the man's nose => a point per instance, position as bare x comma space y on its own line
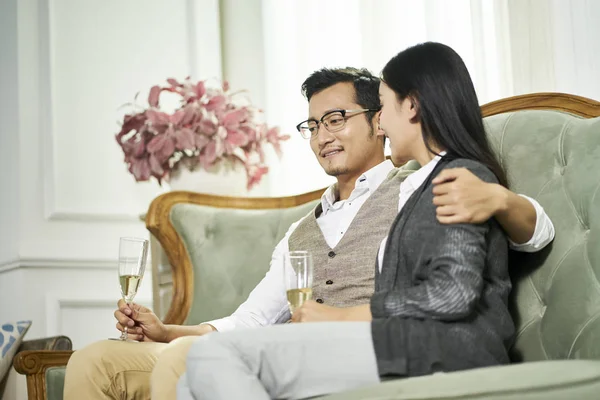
323, 135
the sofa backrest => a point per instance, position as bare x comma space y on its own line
550, 155
554, 157
245, 240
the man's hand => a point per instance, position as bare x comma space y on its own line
311, 311
461, 197
142, 324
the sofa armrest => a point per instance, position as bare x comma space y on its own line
50, 343
34, 363
158, 222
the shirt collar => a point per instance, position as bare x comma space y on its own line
416, 179
368, 181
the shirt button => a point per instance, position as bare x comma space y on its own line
320, 301
329, 282
331, 254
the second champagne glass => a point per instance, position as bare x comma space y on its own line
298, 276
133, 254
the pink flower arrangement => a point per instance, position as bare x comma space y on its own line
210, 125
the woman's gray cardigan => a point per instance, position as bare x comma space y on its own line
440, 301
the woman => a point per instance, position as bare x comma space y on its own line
440, 301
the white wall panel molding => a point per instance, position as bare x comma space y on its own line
78, 63
204, 33
87, 68
66, 313
9, 265
56, 302
64, 264
65, 215
58, 263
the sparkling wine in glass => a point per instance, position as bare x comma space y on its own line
133, 253
298, 276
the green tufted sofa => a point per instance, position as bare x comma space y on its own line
550, 145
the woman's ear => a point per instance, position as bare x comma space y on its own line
414, 109
377, 125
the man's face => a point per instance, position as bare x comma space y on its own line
354, 149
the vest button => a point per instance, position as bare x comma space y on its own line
320, 301
329, 282
331, 254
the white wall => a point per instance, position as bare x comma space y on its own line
242, 37
9, 136
244, 67
65, 194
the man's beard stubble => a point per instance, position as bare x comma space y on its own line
344, 169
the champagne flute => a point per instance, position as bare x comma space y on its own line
298, 276
133, 253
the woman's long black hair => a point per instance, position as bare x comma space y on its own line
436, 79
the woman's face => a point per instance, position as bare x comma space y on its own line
395, 120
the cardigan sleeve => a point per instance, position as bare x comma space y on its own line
453, 286
454, 281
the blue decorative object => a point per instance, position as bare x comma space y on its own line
9, 345
11, 336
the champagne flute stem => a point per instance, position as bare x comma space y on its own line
125, 332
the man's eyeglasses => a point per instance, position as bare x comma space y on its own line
334, 121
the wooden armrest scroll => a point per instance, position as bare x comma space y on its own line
34, 363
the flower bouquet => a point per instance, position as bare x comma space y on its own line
210, 125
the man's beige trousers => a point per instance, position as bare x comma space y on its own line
112, 369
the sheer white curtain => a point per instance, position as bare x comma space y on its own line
510, 47
575, 28
302, 36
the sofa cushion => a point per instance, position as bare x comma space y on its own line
55, 382
11, 336
545, 380
230, 250
554, 157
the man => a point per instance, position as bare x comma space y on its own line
343, 234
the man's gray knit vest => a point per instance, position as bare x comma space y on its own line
344, 275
